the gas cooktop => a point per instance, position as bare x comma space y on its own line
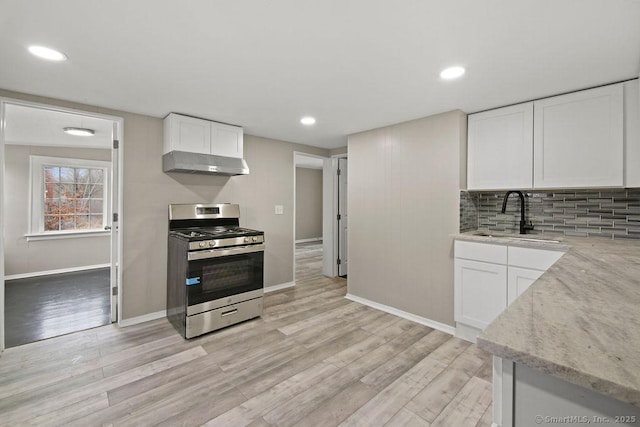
215, 232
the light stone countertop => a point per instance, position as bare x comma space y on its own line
580, 321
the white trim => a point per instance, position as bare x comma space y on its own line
57, 271
312, 239
329, 212
71, 234
141, 319
274, 288
37, 188
324, 190
496, 406
118, 239
405, 315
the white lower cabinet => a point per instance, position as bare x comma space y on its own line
482, 290
519, 280
489, 277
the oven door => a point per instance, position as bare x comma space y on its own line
220, 277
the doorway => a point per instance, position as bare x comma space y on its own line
59, 205
308, 218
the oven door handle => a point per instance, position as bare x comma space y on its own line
216, 253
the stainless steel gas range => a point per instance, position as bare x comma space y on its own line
215, 275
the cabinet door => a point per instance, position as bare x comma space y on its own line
578, 139
480, 292
226, 140
188, 134
519, 280
632, 133
500, 148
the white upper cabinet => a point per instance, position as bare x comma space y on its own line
184, 133
500, 148
584, 139
632, 133
226, 140
578, 139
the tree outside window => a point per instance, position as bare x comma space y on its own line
74, 198
68, 195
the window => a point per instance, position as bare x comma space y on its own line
68, 195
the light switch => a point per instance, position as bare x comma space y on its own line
279, 209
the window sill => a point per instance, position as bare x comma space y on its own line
34, 237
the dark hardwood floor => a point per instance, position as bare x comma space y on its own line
48, 306
313, 359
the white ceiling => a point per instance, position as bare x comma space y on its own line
35, 126
353, 64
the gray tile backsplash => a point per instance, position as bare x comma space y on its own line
468, 211
583, 213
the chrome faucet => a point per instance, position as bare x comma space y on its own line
523, 224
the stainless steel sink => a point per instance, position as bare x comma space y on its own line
523, 237
531, 239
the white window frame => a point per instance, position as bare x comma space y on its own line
36, 208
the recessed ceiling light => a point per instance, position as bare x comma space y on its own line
452, 73
79, 131
47, 53
307, 121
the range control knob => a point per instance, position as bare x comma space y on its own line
212, 243
202, 244
254, 238
246, 240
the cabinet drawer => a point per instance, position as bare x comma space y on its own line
538, 259
484, 252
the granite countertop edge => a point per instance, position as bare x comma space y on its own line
533, 332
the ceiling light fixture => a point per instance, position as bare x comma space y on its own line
452, 73
308, 121
79, 131
47, 53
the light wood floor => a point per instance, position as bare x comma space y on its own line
313, 359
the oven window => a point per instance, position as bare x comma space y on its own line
226, 275
215, 278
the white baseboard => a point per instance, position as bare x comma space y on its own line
405, 315
58, 271
274, 288
141, 319
312, 239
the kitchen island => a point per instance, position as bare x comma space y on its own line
569, 346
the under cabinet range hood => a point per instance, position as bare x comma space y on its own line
210, 164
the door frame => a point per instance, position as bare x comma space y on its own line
296, 154
116, 237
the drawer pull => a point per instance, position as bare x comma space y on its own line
229, 313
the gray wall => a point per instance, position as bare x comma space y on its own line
148, 191
28, 257
338, 151
308, 203
404, 194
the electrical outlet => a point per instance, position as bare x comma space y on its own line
279, 209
